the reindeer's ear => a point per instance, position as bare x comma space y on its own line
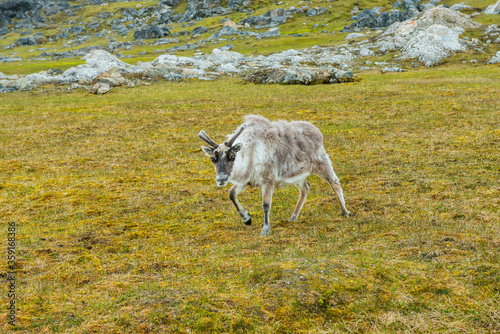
208, 150
237, 147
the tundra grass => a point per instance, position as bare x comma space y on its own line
121, 228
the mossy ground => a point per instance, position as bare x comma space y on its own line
121, 228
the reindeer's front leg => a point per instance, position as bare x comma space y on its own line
267, 198
233, 195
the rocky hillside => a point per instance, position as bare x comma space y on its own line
321, 41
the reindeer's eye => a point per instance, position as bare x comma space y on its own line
214, 159
231, 157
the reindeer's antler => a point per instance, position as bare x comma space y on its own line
231, 140
203, 136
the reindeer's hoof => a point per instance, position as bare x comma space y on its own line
248, 222
265, 232
293, 218
346, 213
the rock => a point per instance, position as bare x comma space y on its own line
461, 6
163, 41
227, 47
270, 19
233, 4
354, 35
112, 78
392, 69
365, 52
150, 32
231, 24
104, 15
355, 10
4, 30
225, 31
316, 11
493, 9
199, 30
21, 84
26, 41
97, 62
495, 59
433, 44
227, 68
303, 76
100, 88
170, 3
430, 37
273, 32
76, 30
221, 57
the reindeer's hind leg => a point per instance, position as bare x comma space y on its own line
304, 188
267, 198
324, 170
233, 195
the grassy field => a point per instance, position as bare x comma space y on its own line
121, 228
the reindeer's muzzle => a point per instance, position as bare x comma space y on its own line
222, 179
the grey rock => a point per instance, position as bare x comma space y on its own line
100, 88
76, 30
316, 11
493, 9
392, 69
21, 84
170, 3
495, 59
150, 32
26, 41
227, 47
300, 75
461, 6
272, 18
104, 15
273, 32
199, 30
163, 41
233, 4
4, 30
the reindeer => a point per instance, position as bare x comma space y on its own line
269, 154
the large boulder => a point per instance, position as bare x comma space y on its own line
300, 75
273, 32
493, 9
221, 57
100, 88
151, 32
199, 30
272, 18
316, 11
225, 31
96, 63
26, 41
495, 59
430, 37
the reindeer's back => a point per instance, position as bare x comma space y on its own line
299, 135
290, 147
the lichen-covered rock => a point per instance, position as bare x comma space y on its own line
273, 32
300, 76
493, 9
150, 33
100, 88
495, 59
430, 37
